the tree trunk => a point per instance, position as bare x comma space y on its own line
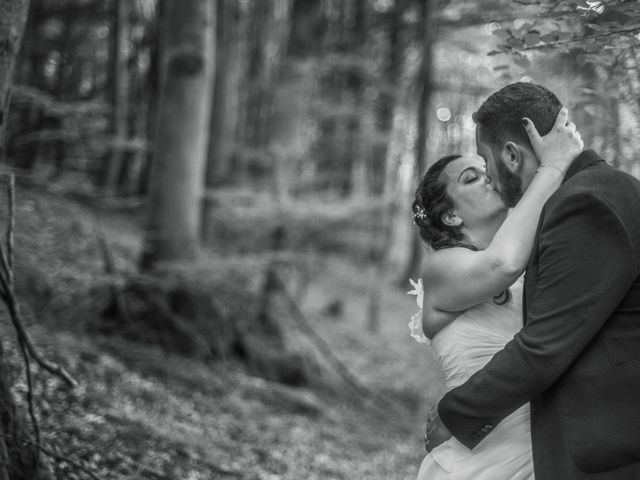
62, 90
295, 85
26, 73
221, 139
173, 218
119, 94
152, 89
267, 36
425, 82
18, 461
222, 118
356, 144
379, 252
13, 17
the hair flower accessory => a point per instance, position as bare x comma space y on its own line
415, 325
419, 214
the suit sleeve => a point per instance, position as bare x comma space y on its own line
586, 266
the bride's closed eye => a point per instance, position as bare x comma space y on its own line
473, 175
471, 178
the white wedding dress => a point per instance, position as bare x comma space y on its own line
463, 347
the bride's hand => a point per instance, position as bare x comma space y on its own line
435, 432
560, 146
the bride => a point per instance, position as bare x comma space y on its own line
472, 301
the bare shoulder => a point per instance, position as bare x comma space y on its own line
439, 262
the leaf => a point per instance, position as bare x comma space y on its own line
531, 39
501, 67
502, 34
596, 28
515, 42
524, 27
522, 61
494, 52
549, 37
564, 36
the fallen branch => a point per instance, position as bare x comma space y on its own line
380, 402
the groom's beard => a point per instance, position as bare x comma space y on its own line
510, 185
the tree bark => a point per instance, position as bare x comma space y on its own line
152, 89
295, 86
223, 117
221, 139
173, 219
18, 461
379, 252
119, 94
425, 82
267, 30
13, 17
356, 145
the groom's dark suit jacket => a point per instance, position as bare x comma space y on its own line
577, 358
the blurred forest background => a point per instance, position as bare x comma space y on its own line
208, 206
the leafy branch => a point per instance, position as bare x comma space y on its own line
580, 39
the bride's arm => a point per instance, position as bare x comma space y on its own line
458, 278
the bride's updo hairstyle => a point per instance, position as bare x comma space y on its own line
431, 203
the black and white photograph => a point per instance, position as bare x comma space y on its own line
320, 239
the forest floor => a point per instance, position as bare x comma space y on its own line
142, 413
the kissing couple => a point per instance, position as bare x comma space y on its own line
532, 301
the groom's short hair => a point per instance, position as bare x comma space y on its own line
499, 118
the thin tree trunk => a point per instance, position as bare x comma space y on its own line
218, 167
26, 73
221, 137
173, 219
18, 461
379, 252
357, 141
13, 17
267, 37
633, 77
119, 94
152, 89
62, 90
425, 82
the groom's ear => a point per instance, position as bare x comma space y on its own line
451, 219
513, 157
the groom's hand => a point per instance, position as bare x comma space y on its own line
436, 433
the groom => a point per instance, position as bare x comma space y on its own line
577, 358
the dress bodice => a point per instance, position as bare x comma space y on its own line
465, 345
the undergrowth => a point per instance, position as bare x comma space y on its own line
141, 412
